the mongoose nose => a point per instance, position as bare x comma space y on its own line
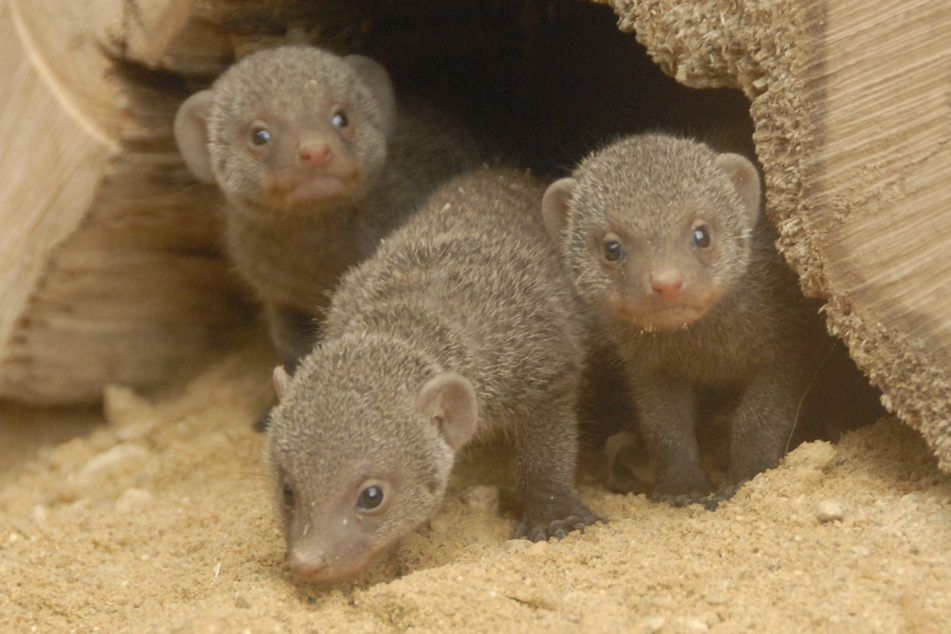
316, 155
668, 285
310, 566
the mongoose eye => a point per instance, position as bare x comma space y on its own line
612, 248
260, 136
701, 237
340, 119
287, 491
370, 498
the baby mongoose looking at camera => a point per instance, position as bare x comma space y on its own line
317, 164
664, 237
461, 325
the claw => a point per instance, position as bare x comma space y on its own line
709, 501
559, 529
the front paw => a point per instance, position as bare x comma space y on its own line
709, 501
680, 499
538, 529
682, 491
623, 452
724, 493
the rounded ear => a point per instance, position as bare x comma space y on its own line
555, 207
374, 76
449, 401
742, 173
281, 381
191, 134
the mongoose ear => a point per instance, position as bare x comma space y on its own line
191, 134
375, 77
281, 381
555, 207
450, 402
742, 173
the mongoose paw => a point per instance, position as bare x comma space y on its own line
680, 499
724, 493
682, 491
539, 530
709, 501
622, 451
621, 479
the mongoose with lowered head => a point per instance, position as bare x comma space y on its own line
317, 163
461, 325
664, 237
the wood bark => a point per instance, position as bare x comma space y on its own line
109, 267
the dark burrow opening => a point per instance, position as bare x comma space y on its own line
543, 82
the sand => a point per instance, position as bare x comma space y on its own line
158, 517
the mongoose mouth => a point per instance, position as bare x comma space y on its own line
320, 186
659, 318
327, 570
311, 188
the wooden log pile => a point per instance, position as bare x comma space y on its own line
110, 270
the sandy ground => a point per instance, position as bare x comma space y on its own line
159, 518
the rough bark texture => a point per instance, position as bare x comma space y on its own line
109, 266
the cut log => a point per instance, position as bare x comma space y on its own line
109, 266
880, 207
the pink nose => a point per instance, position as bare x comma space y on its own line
307, 567
668, 285
316, 155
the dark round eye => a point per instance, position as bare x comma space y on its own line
613, 251
701, 237
370, 498
340, 120
287, 491
260, 136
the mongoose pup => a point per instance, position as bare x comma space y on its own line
664, 237
317, 164
461, 325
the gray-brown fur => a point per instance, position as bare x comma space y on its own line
690, 318
290, 230
460, 326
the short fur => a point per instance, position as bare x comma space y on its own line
690, 311
461, 325
318, 195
